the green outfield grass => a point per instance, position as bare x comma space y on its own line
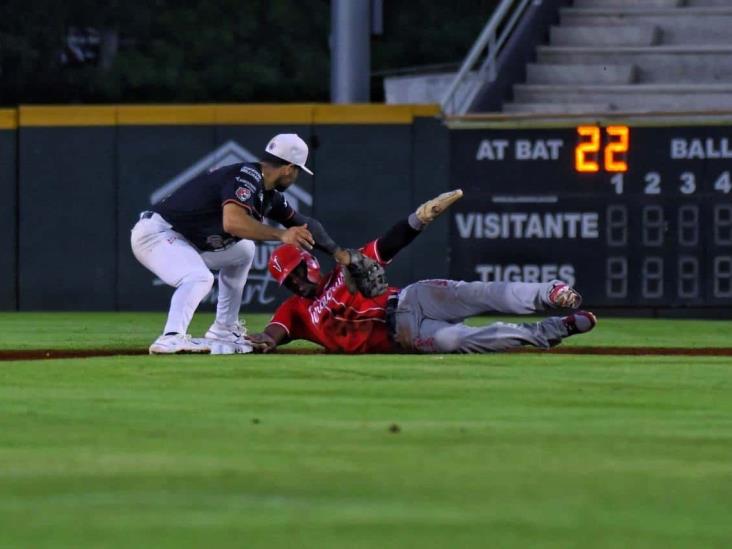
137, 330
499, 450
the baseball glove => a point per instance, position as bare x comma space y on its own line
365, 275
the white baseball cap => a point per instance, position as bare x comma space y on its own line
290, 148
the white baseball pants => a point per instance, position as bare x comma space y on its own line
178, 263
430, 313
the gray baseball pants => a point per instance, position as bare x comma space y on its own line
430, 313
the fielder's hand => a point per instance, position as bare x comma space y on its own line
342, 256
261, 342
299, 236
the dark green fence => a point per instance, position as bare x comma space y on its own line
85, 173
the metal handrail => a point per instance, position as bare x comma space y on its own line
487, 71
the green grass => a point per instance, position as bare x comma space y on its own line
298, 451
137, 330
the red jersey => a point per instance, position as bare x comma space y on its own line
337, 319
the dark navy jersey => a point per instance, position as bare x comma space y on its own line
196, 209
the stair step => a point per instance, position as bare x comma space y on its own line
631, 97
557, 108
687, 26
628, 88
654, 64
539, 73
707, 3
643, 10
616, 35
628, 3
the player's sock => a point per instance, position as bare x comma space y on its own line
415, 223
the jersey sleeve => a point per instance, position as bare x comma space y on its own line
281, 211
372, 251
287, 317
240, 188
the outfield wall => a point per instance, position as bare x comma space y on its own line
84, 174
8, 209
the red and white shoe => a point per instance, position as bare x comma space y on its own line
563, 296
580, 322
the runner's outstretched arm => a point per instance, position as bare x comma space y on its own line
403, 232
268, 340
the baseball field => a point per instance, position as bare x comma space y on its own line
312, 450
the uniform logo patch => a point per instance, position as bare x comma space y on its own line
243, 194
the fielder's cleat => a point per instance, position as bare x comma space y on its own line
178, 344
428, 211
580, 322
563, 296
219, 347
233, 333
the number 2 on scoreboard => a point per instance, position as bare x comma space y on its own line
585, 153
616, 149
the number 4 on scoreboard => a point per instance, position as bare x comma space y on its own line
723, 183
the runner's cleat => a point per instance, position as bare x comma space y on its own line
580, 322
429, 211
563, 296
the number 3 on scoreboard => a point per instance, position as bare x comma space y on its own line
587, 151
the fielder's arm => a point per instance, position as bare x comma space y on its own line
239, 223
323, 240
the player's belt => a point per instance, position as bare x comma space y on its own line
392, 303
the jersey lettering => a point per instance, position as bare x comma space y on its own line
251, 172
321, 303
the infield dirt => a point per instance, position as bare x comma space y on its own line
42, 354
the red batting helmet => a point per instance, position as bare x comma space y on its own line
287, 257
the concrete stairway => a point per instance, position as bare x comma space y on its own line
632, 56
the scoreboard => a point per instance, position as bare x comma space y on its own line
633, 216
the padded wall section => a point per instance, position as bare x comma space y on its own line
363, 184
8, 220
67, 230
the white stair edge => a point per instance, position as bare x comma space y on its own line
628, 88
646, 11
722, 48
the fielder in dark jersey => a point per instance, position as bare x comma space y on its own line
194, 210
211, 224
